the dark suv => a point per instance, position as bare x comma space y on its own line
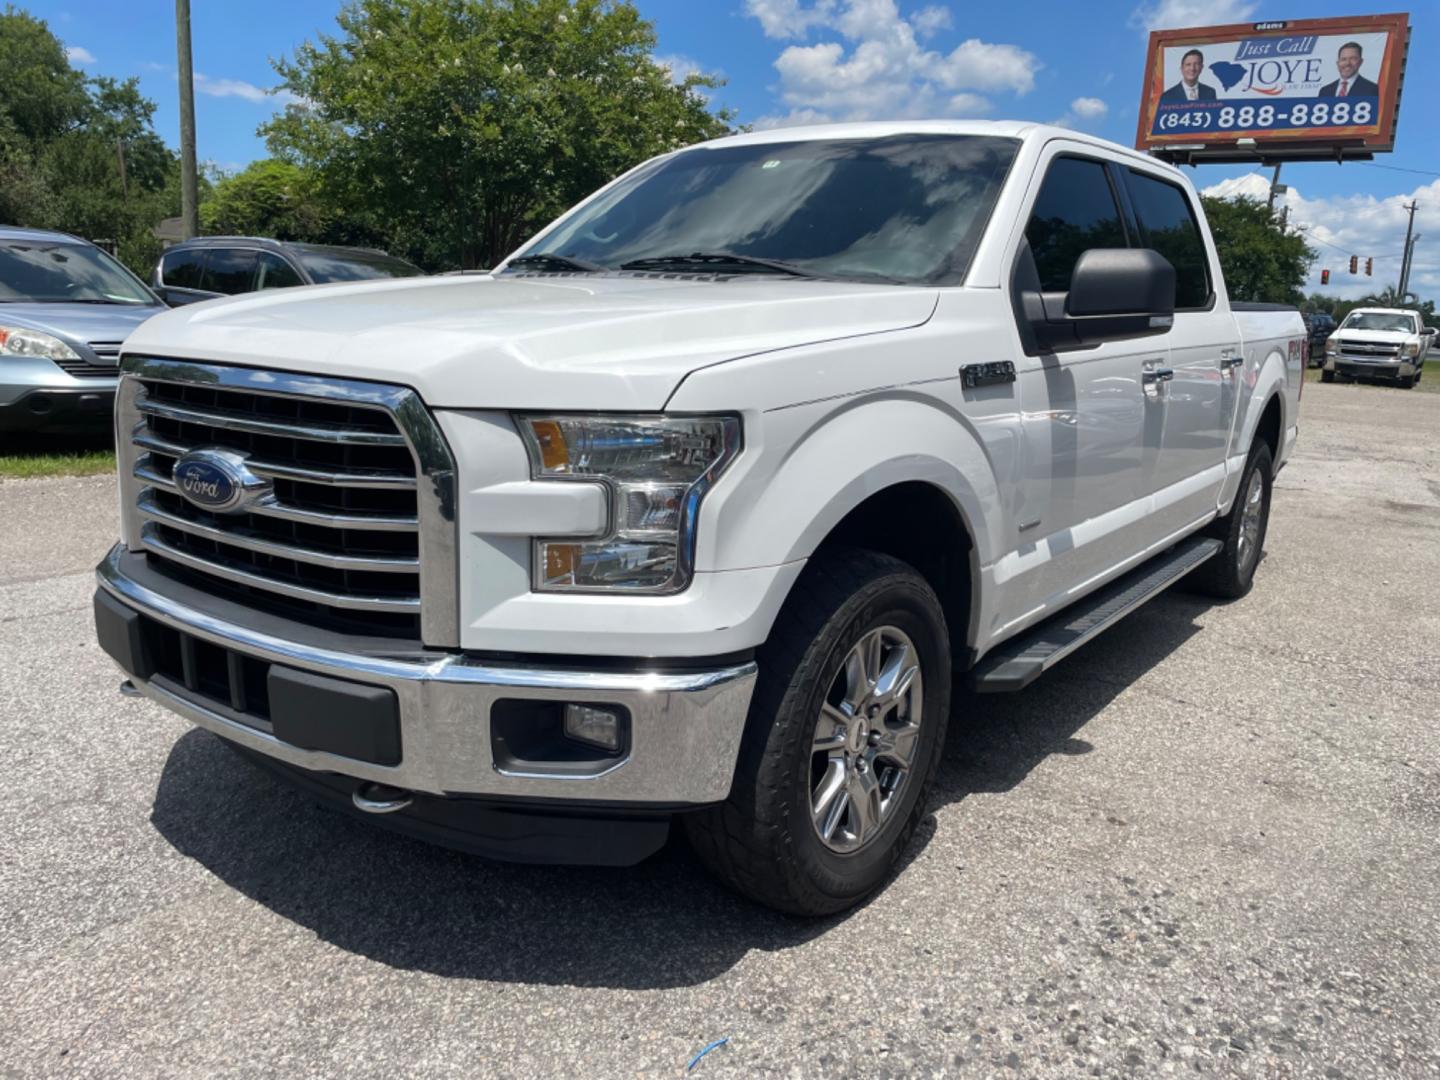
1319, 325
211, 266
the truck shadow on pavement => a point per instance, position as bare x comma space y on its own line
661, 924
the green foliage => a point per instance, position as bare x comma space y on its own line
78, 154
1389, 296
1261, 259
454, 128
268, 198
40, 93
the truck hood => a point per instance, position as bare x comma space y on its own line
1379, 337
537, 342
80, 323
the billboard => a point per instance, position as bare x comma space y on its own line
1274, 91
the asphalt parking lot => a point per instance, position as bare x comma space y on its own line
1210, 842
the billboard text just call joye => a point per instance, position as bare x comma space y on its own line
1331, 82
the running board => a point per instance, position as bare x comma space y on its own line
1015, 664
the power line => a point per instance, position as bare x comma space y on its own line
1397, 168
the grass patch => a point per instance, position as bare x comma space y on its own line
35, 455
1429, 377
26, 466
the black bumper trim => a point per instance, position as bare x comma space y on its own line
59, 410
484, 828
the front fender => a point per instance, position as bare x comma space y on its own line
834, 458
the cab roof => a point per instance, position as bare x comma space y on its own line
1011, 129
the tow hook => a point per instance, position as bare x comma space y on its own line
381, 798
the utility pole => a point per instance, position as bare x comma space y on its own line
124, 180
1276, 188
1409, 245
189, 188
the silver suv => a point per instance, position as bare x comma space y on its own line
65, 307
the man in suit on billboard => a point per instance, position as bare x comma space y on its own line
1189, 88
1351, 82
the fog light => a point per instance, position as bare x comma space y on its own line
594, 725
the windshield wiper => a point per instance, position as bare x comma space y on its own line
547, 261
717, 259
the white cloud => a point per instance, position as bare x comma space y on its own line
78, 54
1339, 226
794, 118
1089, 108
679, 67
240, 88
879, 68
789, 18
931, 20
1179, 14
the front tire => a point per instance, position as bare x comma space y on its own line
1230, 573
842, 742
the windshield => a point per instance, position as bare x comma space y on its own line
1379, 320
327, 266
908, 209
64, 272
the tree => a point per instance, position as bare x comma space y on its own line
1387, 297
78, 154
1262, 259
267, 198
41, 93
456, 127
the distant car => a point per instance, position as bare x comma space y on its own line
211, 266
65, 307
1378, 343
1319, 325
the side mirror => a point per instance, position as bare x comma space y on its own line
176, 297
1121, 282
1115, 293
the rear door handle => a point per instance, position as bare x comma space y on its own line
1228, 362
1159, 374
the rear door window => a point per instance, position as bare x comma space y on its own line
276, 273
1074, 212
182, 268
1167, 224
229, 271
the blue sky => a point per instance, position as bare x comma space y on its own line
788, 60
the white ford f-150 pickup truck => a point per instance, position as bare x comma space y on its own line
696, 507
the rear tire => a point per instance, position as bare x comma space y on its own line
1327, 376
1230, 573
808, 828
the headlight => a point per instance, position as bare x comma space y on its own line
1411, 349
656, 470
18, 341
1332, 346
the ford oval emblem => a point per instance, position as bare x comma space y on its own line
216, 480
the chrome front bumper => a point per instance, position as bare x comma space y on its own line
685, 726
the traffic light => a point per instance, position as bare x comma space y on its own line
1369, 267
1324, 277
1354, 263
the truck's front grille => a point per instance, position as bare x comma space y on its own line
339, 534
1364, 350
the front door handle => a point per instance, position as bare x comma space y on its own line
1228, 362
1159, 375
